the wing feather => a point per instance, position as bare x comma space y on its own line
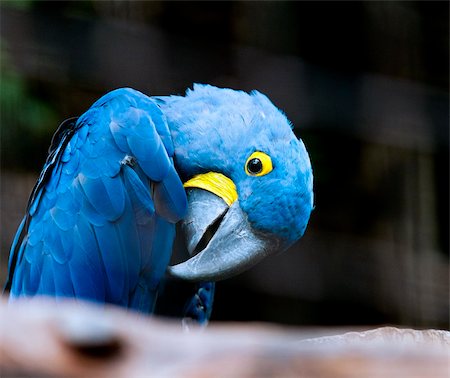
105, 195
63, 286
169, 198
113, 260
47, 282
161, 251
139, 194
87, 273
94, 229
129, 240
32, 268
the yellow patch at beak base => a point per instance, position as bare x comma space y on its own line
216, 183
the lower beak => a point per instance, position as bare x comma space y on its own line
220, 239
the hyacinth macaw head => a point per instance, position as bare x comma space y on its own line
248, 178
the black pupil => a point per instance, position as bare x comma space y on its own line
254, 166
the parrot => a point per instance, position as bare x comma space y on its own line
101, 219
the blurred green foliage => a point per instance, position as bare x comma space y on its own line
19, 4
26, 121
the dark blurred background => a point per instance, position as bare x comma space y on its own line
365, 84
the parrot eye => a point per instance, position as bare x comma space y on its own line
258, 164
254, 166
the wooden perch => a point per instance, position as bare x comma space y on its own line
41, 338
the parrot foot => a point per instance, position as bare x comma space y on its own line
198, 310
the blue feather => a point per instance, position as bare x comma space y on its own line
161, 251
114, 263
63, 219
160, 122
86, 267
67, 242
23, 273
170, 197
21, 268
72, 165
119, 134
155, 161
87, 282
67, 153
52, 242
54, 179
47, 282
35, 203
35, 233
34, 267
143, 298
146, 234
105, 194
142, 203
82, 134
66, 200
92, 215
129, 243
63, 286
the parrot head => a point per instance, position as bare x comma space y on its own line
248, 179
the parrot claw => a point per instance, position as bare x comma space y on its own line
198, 309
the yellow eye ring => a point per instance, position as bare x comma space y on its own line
258, 164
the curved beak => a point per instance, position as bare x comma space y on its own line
219, 237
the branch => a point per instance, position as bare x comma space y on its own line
40, 337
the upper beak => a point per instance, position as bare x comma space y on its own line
219, 237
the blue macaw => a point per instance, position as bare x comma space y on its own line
100, 221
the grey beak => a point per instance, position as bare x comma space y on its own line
220, 240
